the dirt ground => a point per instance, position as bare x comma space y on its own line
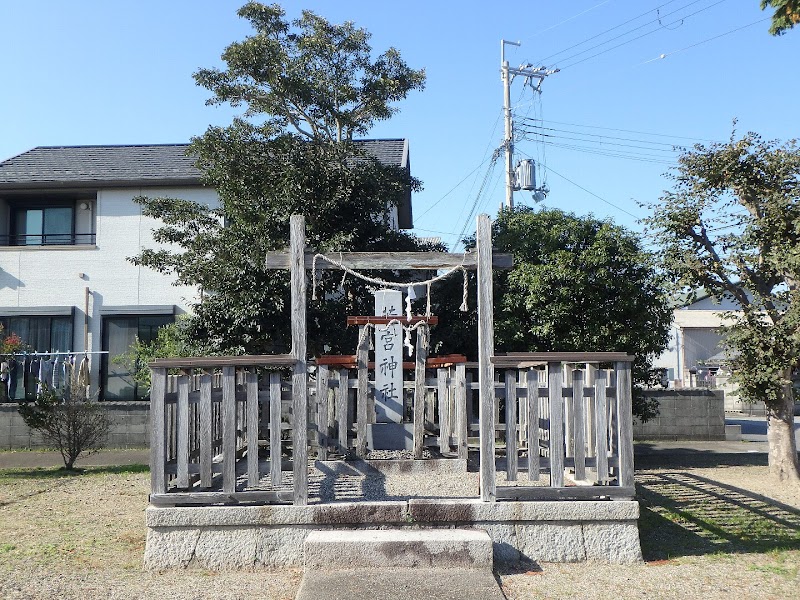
713, 530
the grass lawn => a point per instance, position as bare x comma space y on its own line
707, 531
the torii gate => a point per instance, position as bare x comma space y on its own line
298, 260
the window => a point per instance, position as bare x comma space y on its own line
42, 226
39, 334
48, 221
119, 335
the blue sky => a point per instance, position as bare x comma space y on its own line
105, 72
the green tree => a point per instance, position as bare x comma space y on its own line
309, 86
314, 76
577, 284
731, 225
786, 15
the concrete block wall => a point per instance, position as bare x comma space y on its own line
685, 414
130, 427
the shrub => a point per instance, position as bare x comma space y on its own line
71, 421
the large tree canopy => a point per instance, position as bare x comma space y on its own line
578, 284
308, 86
786, 15
318, 77
731, 225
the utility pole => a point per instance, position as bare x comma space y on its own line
530, 73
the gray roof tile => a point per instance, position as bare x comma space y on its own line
99, 166
154, 164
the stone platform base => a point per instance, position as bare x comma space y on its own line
247, 537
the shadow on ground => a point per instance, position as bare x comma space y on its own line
683, 514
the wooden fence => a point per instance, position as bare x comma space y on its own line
222, 428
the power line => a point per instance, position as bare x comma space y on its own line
602, 33
603, 140
486, 177
467, 176
636, 38
583, 12
650, 133
601, 136
607, 143
613, 154
706, 40
619, 208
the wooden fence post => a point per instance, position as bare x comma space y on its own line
275, 428
578, 425
297, 232
206, 432
182, 480
323, 430
419, 389
158, 433
532, 383
601, 426
229, 429
462, 417
253, 474
625, 424
485, 352
555, 383
362, 393
511, 424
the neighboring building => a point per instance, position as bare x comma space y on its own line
695, 350
68, 225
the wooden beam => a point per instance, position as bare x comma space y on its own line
350, 361
519, 359
366, 320
201, 498
391, 260
210, 362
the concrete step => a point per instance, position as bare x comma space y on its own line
400, 584
392, 548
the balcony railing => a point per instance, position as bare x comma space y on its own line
48, 239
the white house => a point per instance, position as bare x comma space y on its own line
68, 225
695, 345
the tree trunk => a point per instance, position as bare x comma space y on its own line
783, 463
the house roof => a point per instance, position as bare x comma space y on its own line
47, 167
81, 167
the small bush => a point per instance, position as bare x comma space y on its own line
70, 421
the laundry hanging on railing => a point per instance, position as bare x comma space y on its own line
31, 372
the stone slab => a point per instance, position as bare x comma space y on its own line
400, 584
274, 536
390, 436
393, 548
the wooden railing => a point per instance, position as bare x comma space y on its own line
573, 413
571, 416
206, 431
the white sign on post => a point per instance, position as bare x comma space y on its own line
389, 358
